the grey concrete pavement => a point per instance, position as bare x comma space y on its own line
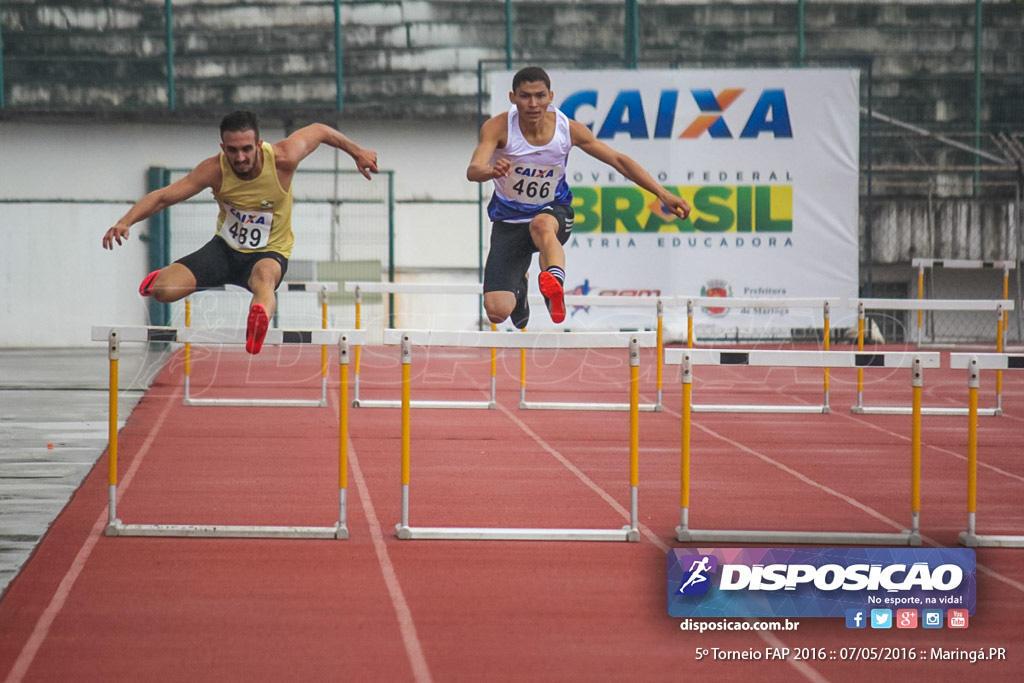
54, 419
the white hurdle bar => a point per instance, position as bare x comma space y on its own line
285, 286
417, 288
236, 336
688, 358
294, 286
998, 306
658, 303
115, 527
826, 305
974, 363
550, 340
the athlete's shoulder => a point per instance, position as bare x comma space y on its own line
498, 120
578, 133
496, 129
208, 171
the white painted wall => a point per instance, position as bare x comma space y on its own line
56, 281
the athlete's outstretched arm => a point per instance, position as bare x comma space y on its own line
585, 139
206, 174
303, 142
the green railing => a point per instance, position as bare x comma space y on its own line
631, 47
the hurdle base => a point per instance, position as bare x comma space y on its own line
423, 403
970, 540
626, 533
910, 538
932, 410
755, 408
555, 405
117, 528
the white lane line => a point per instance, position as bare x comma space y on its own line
42, 628
406, 625
587, 481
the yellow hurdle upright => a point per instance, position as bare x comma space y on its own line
521, 340
113, 355
974, 363
688, 358
145, 334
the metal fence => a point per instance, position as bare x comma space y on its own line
942, 127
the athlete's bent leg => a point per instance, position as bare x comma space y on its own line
263, 282
172, 283
266, 274
499, 305
544, 232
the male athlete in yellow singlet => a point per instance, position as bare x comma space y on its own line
252, 183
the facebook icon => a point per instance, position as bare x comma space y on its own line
856, 618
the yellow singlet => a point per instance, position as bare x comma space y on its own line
255, 215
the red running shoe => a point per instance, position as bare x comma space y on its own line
256, 329
554, 297
146, 288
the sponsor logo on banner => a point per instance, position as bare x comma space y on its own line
824, 582
741, 209
719, 288
586, 289
769, 114
767, 159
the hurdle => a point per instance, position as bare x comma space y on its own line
323, 288
115, 527
417, 288
974, 363
620, 301
959, 264
967, 264
688, 358
998, 306
549, 340
212, 336
826, 305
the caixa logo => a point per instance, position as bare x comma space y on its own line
769, 114
243, 217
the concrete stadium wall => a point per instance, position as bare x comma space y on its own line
56, 281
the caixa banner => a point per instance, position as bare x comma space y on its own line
767, 159
818, 582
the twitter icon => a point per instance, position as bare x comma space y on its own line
881, 618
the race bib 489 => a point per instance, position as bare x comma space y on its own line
246, 229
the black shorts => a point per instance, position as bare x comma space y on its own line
512, 249
216, 264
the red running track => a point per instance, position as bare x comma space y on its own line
91, 608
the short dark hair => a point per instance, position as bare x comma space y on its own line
530, 74
241, 120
